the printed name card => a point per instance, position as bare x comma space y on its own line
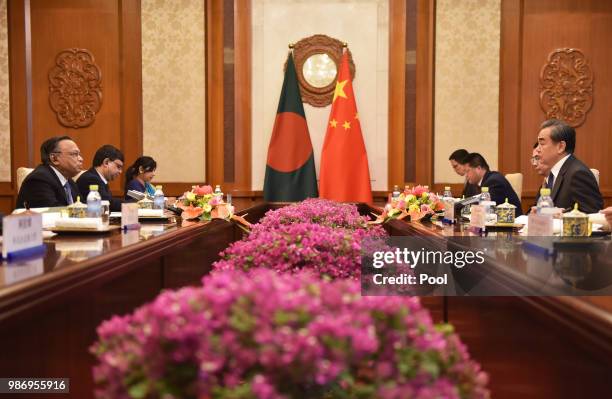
22, 235
129, 216
478, 216
449, 211
539, 225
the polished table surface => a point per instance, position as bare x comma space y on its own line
579, 275
73, 260
49, 307
581, 301
548, 346
553, 266
66, 253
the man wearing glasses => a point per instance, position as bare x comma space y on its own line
569, 179
538, 166
540, 169
107, 165
50, 183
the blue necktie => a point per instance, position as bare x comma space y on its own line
551, 181
68, 193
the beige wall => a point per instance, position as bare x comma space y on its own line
466, 82
173, 92
363, 24
5, 125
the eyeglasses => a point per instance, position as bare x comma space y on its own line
118, 165
74, 154
535, 160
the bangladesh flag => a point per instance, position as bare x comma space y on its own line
290, 168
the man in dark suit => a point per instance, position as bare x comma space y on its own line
456, 161
50, 184
478, 173
107, 165
540, 169
570, 180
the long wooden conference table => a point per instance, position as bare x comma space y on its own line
532, 347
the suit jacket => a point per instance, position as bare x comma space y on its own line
500, 189
469, 190
576, 183
42, 188
90, 177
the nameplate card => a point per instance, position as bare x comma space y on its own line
22, 235
129, 216
540, 225
449, 211
478, 216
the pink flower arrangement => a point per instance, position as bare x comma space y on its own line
270, 336
202, 190
416, 202
322, 236
200, 202
326, 251
417, 191
314, 210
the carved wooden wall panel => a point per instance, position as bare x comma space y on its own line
110, 31
553, 53
310, 46
567, 86
75, 89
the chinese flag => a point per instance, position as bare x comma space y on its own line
344, 163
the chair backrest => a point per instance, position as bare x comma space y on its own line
22, 173
596, 173
516, 181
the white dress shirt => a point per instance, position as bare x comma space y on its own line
60, 176
102, 177
555, 169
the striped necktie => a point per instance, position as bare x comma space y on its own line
550, 182
68, 193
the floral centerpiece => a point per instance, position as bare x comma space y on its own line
270, 336
417, 203
322, 236
326, 251
201, 202
315, 210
